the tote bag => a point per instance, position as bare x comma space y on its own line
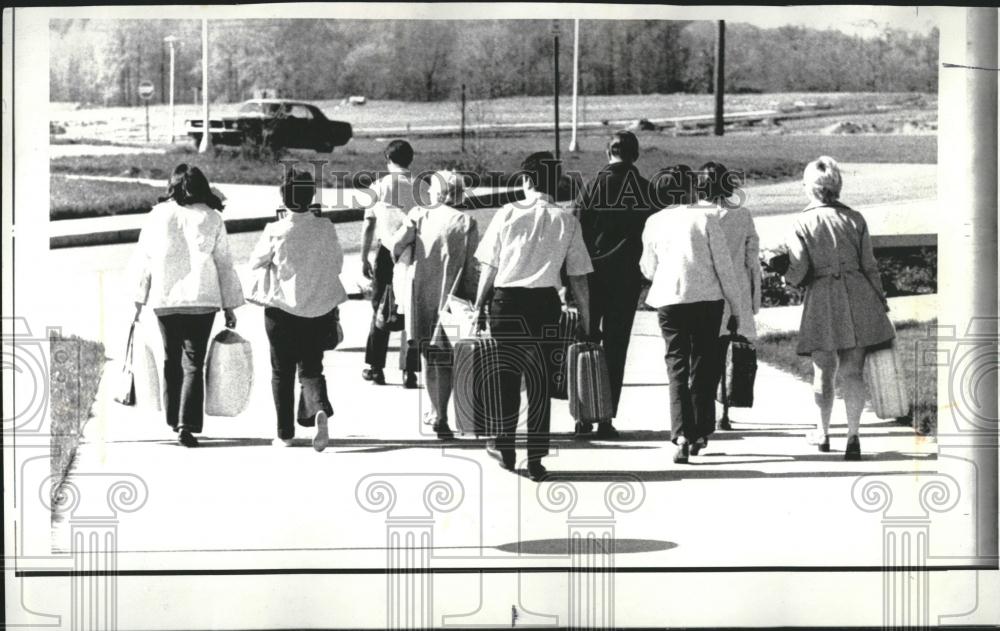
125, 386
228, 375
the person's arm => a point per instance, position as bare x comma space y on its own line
262, 253
869, 266
647, 262
488, 255
798, 258
581, 291
367, 236
143, 269
402, 238
752, 264
229, 281
487, 274
722, 263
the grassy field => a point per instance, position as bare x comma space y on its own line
74, 375
76, 199
911, 342
761, 157
127, 124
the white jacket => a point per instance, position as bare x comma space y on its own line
297, 264
182, 259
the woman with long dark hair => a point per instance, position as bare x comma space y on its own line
185, 274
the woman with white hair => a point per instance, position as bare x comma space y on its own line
440, 241
844, 310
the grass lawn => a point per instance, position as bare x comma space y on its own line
75, 199
761, 157
74, 374
912, 341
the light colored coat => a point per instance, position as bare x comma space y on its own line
182, 260
298, 261
830, 254
744, 246
685, 255
440, 243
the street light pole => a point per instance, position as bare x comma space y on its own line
573, 146
206, 136
171, 40
720, 76
555, 69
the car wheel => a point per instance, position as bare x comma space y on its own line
197, 140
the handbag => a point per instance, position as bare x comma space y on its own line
228, 374
125, 389
739, 372
334, 332
388, 317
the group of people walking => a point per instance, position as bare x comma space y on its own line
681, 233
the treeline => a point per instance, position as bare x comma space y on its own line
103, 61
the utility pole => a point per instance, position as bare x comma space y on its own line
171, 40
573, 146
206, 136
555, 69
720, 76
463, 120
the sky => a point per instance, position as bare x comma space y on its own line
864, 20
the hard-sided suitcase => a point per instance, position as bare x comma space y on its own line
565, 336
476, 393
884, 376
739, 373
589, 386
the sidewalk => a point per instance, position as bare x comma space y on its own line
237, 492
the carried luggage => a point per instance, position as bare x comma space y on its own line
476, 393
125, 386
228, 375
457, 320
334, 333
884, 376
146, 368
569, 320
589, 386
739, 371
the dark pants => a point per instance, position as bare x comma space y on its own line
614, 298
296, 342
518, 319
185, 342
377, 346
691, 334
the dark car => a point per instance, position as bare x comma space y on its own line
277, 124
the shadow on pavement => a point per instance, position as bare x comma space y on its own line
696, 472
561, 547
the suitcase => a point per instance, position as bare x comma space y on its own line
738, 373
228, 375
884, 376
476, 394
569, 320
589, 387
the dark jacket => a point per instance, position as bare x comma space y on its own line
612, 210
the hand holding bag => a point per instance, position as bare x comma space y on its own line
125, 388
334, 332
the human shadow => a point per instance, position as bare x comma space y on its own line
702, 472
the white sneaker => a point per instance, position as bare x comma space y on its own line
282, 442
322, 436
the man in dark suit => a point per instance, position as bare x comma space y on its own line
612, 211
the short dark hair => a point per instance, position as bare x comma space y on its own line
714, 182
542, 170
399, 152
297, 190
624, 145
188, 185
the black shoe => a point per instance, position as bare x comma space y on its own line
186, 438
506, 457
698, 445
606, 431
853, 451
306, 422
536, 471
375, 375
443, 431
409, 380
724, 424
681, 455
174, 429
583, 429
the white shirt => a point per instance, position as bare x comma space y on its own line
686, 256
298, 261
396, 193
182, 260
528, 245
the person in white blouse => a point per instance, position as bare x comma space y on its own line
718, 186
186, 274
298, 261
686, 257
